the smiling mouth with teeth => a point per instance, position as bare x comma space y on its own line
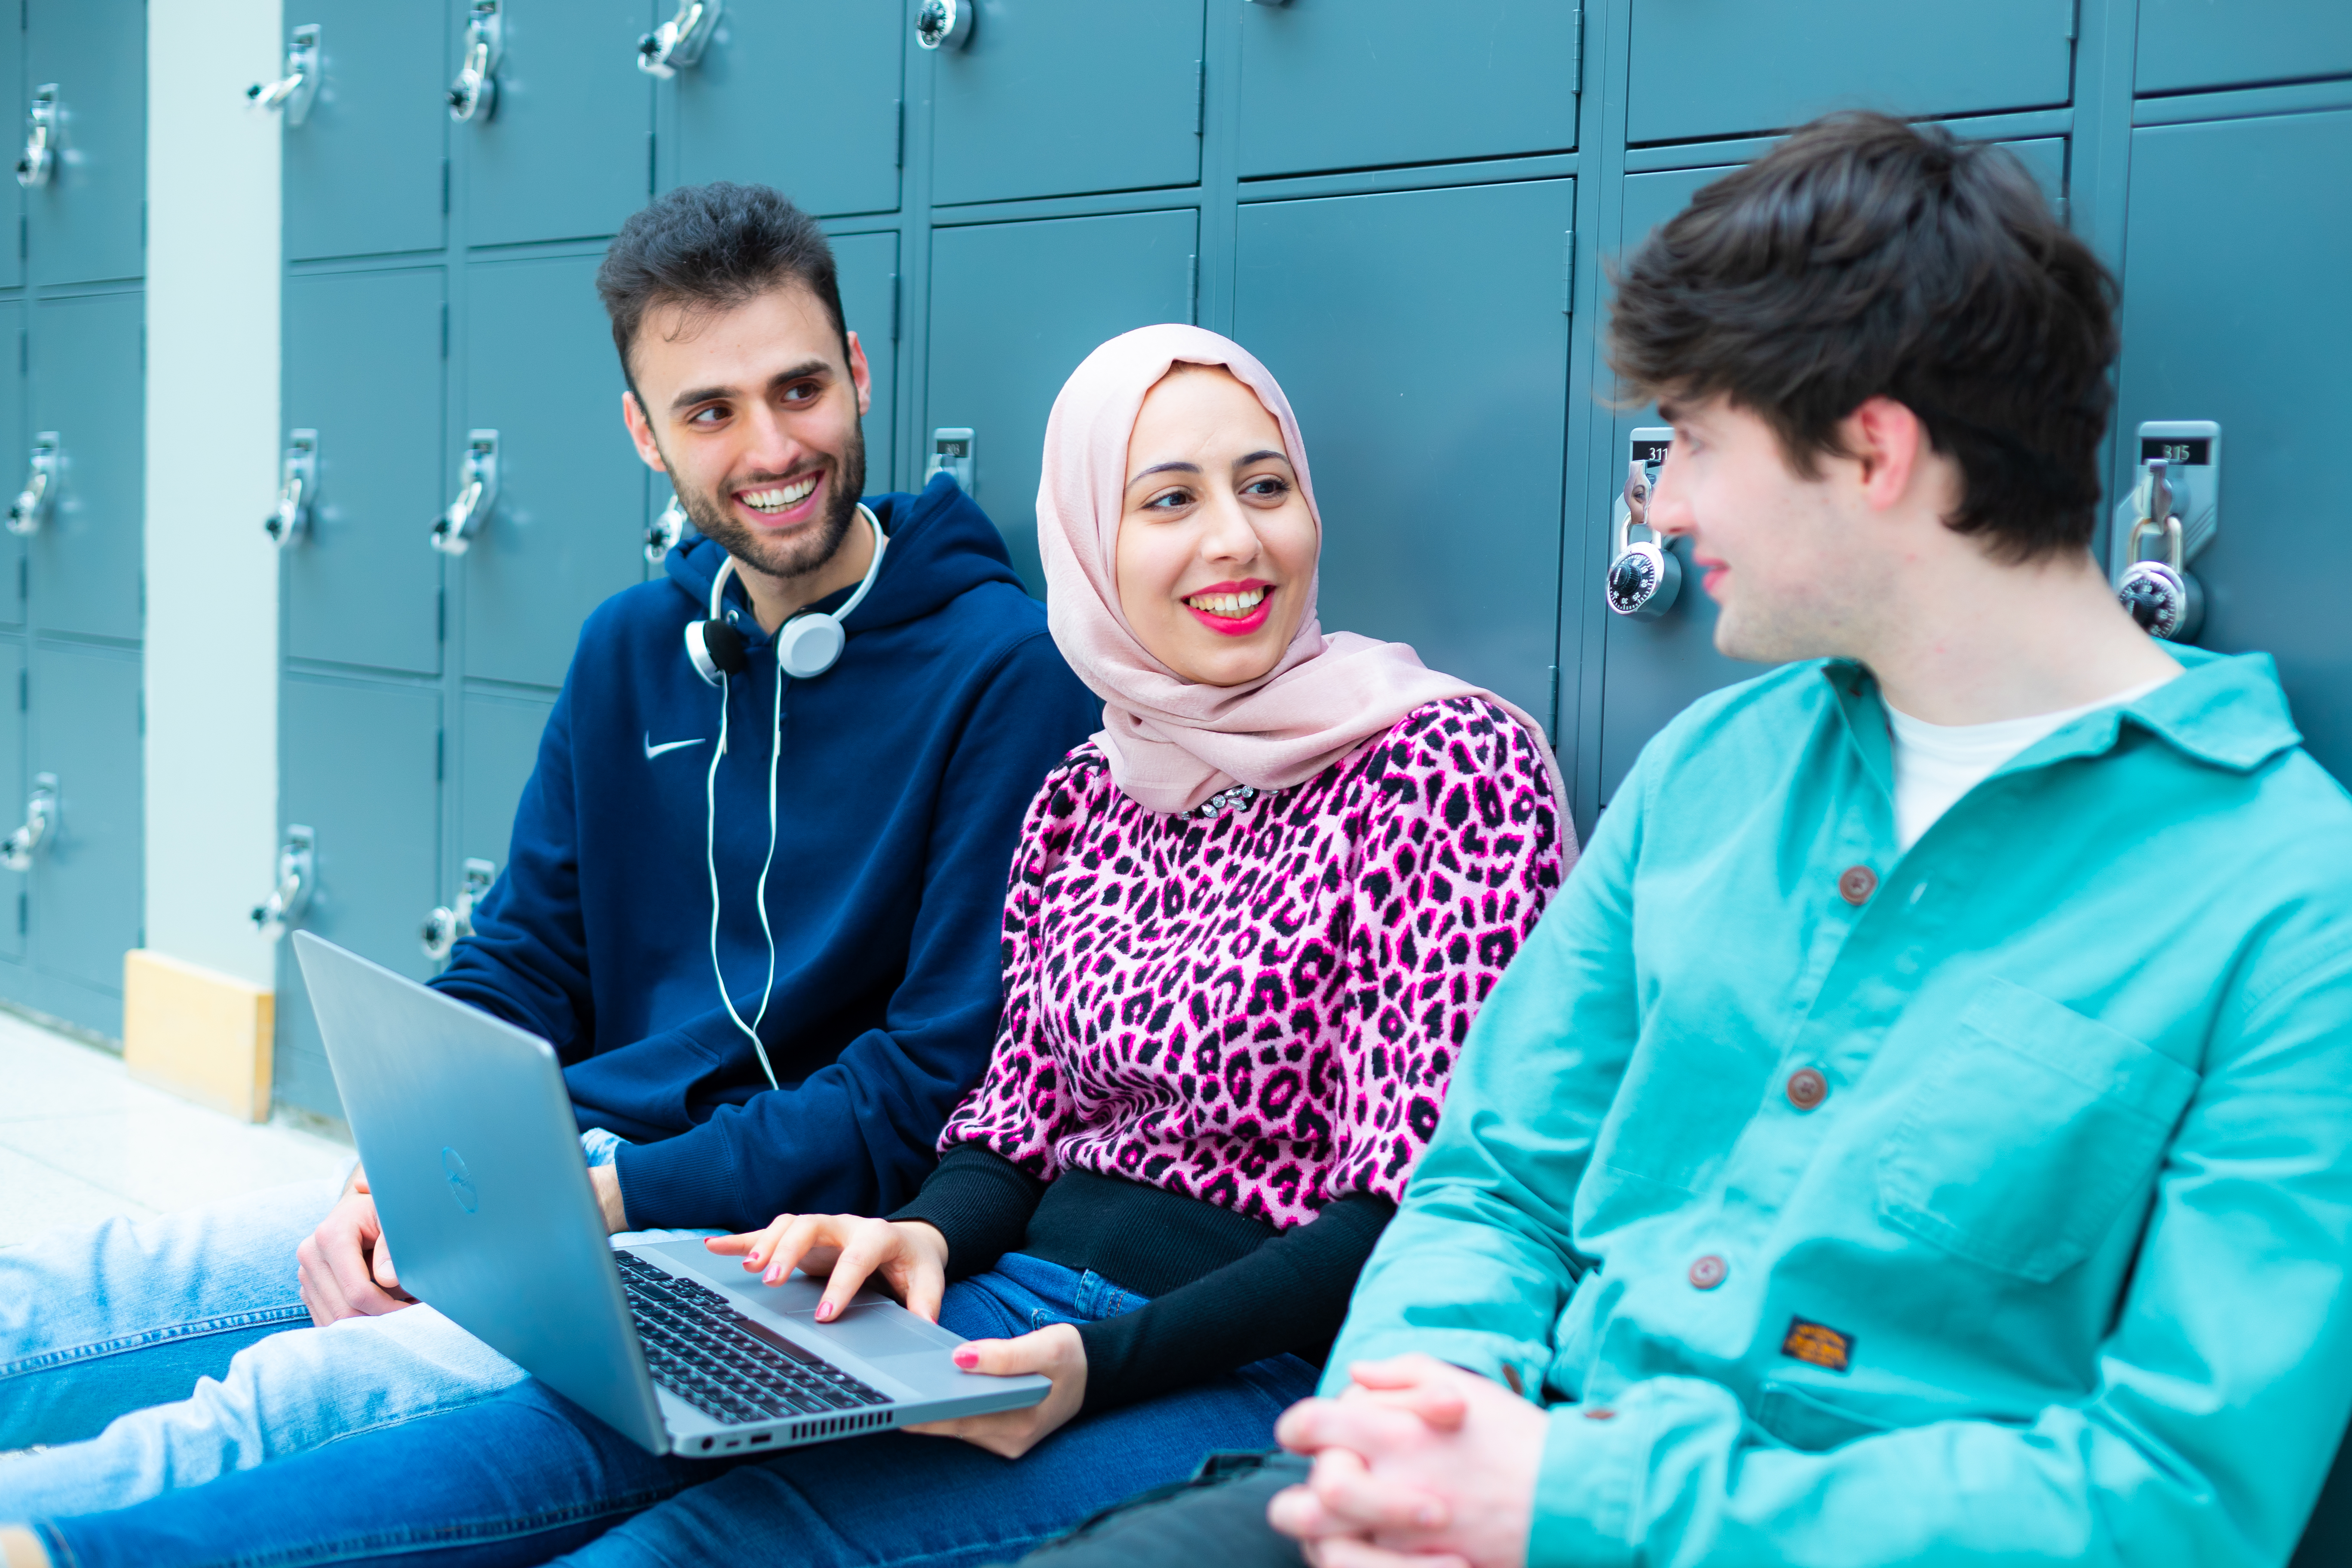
1232, 606
779, 497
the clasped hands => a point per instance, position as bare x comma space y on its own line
1418, 1465
909, 1259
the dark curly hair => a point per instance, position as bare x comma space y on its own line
1867, 258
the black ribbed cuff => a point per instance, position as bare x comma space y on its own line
981, 1202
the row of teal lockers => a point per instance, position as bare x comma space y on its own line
1406, 210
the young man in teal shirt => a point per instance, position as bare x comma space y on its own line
1921, 1131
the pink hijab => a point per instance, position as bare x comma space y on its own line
1173, 743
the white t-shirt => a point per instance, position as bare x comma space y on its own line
1935, 764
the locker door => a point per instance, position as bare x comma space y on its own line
359, 764
15, 95
867, 265
2185, 45
1652, 670
1014, 308
363, 171
540, 370
1053, 97
15, 442
501, 747
89, 221
832, 142
1421, 338
87, 886
1708, 68
567, 150
15, 784
86, 370
364, 369
2242, 317
1339, 84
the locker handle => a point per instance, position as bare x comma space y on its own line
275, 914
476, 91
944, 24
298, 476
40, 155
18, 850
453, 530
678, 41
667, 530
445, 926
39, 497
293, 91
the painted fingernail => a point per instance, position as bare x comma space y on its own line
824, 1312
967, 1357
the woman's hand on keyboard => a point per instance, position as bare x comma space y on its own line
1055, 1352
907, 1258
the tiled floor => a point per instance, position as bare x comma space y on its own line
80, 1141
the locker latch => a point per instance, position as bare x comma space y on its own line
39, 497
952, 453
40, 155
665, 531
1644, 577
293, 91
944, 24
453, 530
445, 926
476, 91
298, 478
678, 41
275, 914
18, 850
2172, 512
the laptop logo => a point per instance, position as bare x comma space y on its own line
652, 750
461, 1181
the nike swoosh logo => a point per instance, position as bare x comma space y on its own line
652, 750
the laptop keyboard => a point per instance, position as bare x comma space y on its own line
721, 1362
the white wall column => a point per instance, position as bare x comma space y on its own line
213, 268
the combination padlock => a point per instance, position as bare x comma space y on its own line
2162, 597
1645, 577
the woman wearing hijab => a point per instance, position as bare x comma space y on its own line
1247, 926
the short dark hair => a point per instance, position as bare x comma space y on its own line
712, 247
1866, 257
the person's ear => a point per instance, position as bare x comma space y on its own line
641, 432
1884, 438
861, 375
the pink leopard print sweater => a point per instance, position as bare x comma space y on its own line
1259, 1008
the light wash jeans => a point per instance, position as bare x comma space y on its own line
104, 1334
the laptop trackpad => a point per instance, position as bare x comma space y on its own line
878, 1329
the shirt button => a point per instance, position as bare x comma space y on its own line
1707, 1272
1856, 883
1807, 1087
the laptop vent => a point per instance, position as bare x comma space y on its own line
835, 1426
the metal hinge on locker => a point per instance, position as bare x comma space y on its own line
38, 499
2173, 511
476, 91
679, 41
298, 481
293, 92
453, 530
445, 926
19, 849
295, 878
39, 158
1645, 577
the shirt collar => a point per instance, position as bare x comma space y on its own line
2226, 710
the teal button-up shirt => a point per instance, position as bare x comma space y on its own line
1989, 1202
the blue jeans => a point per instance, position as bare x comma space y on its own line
168, 1351
524, 1477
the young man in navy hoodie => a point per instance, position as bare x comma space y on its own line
724, 1067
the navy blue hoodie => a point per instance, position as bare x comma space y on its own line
904, 771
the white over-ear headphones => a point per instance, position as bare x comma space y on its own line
806, 647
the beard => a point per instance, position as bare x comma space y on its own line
711, 516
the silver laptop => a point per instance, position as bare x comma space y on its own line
473, 1155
